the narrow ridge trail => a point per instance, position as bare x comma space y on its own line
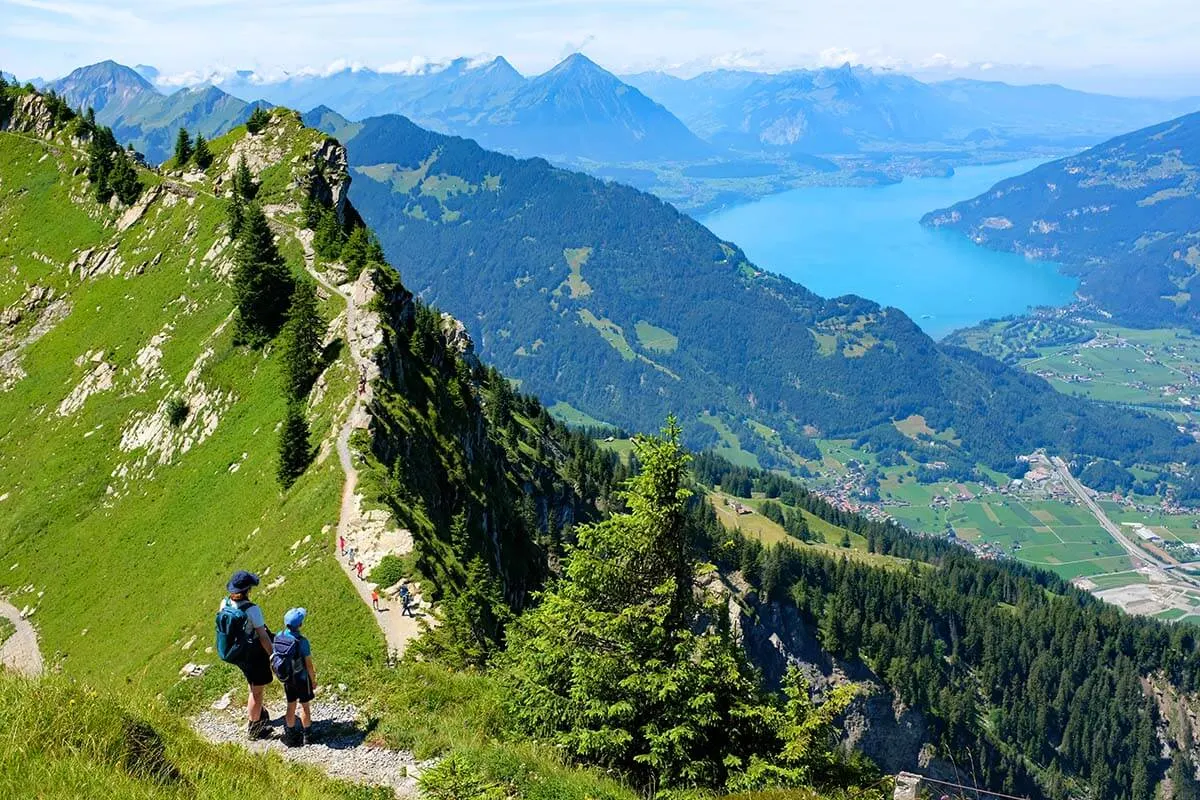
20, 652
398, 629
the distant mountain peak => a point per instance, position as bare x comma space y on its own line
109, 72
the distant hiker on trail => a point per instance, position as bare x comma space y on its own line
359, 569
375, 599
342, 545
291, 661
405, 601
244, 641
362, 381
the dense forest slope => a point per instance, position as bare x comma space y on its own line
611, 301
1122, 215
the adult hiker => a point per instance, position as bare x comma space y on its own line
244, 641
292, 663
342, 545
405, 601
375, 598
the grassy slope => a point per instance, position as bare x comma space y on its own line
121, 581
62, 740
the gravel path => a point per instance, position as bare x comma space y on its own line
398, 629
341, 749
20, 651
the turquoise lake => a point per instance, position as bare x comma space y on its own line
868, 241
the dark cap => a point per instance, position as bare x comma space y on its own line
241, 581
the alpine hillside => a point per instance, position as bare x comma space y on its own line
1121, 215
610, 302
212, 366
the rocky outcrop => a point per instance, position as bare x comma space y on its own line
458, 341
30, 115
777, 638
24, 322
329, 179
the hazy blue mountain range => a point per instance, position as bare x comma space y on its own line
141, 115
849, 108
607, 299
576, 111
1124, 215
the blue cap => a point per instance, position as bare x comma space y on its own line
294, 618
241, 581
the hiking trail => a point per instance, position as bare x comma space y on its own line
20, 652
341, 748
367, 532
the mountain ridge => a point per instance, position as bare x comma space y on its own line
1120, 215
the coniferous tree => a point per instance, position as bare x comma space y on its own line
183, 148
123, 178
243, 180
619, 632
100, 163
259, 119
328, 235
301, 340
241, 191
201, 154
354, 252
262, 284
295, 450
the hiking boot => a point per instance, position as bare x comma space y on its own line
259, 729
292, 737
308, 736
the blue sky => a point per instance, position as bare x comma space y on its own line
1147, 46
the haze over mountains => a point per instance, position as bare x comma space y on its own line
718, 137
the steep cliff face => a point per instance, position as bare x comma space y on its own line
776, 638
472, 469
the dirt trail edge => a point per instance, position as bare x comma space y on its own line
360, 335
20, 652
341, 748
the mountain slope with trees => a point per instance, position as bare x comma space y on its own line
611, 301
142, 116
160, 338
1122, 216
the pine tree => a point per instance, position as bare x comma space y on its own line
183, 149
262, 284
328, 236
301, 340
295, 451
100, 163
241, 191
354, 252
259, 119
123, 178
201, 154
612, 665
243, 180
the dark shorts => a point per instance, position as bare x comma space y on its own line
298, 691
257, 668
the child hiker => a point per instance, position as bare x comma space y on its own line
292, 663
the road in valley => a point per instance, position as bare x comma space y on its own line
1140, 556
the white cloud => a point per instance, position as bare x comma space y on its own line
195, 38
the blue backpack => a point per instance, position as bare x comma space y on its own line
286, 661
234, 634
